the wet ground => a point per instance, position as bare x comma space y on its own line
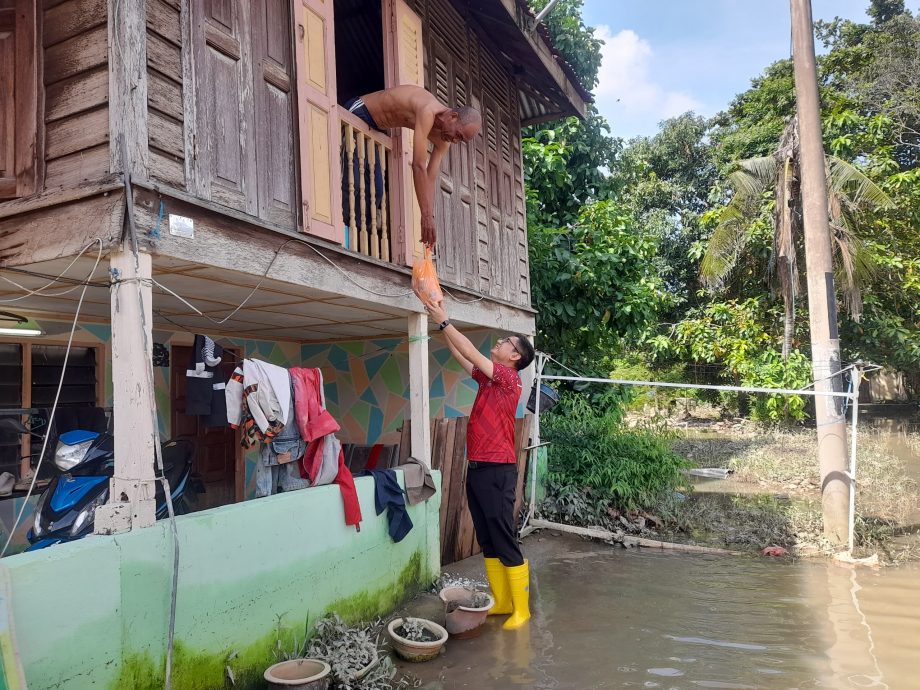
606, 617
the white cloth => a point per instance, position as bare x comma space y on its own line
267, 389
275, 385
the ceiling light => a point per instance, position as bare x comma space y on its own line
23, 327
21, 332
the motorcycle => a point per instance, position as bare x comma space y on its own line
66, 509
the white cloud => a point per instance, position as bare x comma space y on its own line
627, 91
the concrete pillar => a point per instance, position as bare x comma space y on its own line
419, 389
132, 502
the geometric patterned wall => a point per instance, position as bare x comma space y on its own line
366, 387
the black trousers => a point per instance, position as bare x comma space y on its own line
490, 488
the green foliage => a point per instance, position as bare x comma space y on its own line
593, 282
734, 334
591, 452
574, 41
564, 168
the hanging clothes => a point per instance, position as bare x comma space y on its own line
204, 383
324, 451
389, 495
258, 398
419, 483
313, 420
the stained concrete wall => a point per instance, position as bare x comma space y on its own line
93, 613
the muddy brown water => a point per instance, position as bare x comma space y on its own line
606, 617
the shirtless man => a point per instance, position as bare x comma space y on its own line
417, 109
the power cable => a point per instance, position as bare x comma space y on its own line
57, 397
59, 278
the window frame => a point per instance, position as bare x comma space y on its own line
26, 383
27, 126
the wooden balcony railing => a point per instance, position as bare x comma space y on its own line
366, 208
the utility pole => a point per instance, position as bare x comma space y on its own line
822, 305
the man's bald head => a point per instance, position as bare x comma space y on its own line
459, 124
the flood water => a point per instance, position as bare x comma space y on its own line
606, 617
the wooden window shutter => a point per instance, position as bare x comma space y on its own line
224, 150
409, 64
19, 154
319, 124
273, 83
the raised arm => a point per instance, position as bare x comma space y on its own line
460, 346
464, 362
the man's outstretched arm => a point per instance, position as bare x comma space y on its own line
425, 174
459, 342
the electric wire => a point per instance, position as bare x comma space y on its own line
59, 278
57, 397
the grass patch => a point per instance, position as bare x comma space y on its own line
783, 467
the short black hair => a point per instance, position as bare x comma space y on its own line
525, 350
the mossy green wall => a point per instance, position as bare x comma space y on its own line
94, 613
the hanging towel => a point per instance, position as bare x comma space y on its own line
388, 494
419, 483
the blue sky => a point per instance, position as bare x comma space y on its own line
664, 57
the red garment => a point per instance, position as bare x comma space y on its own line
490, 433
313, 420
315, 423
346, 484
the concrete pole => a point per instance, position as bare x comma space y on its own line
132, 498
419, 390
822, 306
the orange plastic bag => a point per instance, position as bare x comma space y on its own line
425, 280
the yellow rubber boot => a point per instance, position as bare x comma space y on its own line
498, 582
519, 583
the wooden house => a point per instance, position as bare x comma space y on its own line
210, 137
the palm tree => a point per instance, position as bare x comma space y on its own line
850, 192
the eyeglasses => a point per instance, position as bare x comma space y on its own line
507, 339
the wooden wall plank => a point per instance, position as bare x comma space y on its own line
82, 166
164, 57
75, 55
520, 443
165, 95
24, 238
167, 169
77, 94
447, 462
166, 134
71, 19
163, 20
77, 132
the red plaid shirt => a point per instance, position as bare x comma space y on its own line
490, 434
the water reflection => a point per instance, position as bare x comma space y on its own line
605, 617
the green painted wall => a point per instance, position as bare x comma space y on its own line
93, 613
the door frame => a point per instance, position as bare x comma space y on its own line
239, 457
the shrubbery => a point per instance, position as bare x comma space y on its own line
593, 454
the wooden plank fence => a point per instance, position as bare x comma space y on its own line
448, 454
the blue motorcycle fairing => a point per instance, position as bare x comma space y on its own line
71, 490
72, 438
